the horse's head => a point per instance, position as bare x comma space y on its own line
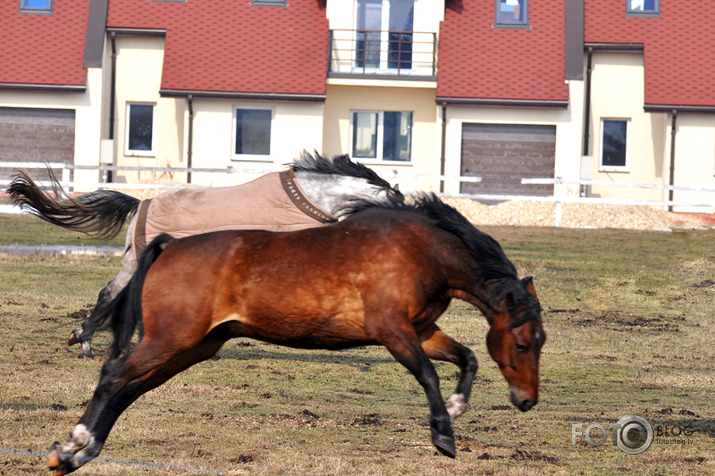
514, 342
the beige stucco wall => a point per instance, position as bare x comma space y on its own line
343, 99
138, 78
295, 127
617, 92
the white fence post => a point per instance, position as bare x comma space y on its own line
558, 204
66, 179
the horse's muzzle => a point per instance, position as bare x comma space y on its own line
522, 403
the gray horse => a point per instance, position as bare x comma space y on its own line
314, 191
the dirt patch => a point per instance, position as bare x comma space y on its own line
524, 455
372, 419
243, 459
619, 322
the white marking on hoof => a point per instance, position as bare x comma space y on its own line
80, 438
456, 406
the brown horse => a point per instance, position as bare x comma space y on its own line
383, 276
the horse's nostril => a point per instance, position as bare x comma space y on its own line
526, 404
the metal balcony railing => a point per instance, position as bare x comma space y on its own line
402, 54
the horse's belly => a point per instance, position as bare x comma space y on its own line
311, 332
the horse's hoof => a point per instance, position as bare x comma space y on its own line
54, 463
445, 445
74, 337
86, 355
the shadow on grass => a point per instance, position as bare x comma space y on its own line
248, 352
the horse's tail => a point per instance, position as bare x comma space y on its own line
99, 214
126, 309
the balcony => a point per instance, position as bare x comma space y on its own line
404, 55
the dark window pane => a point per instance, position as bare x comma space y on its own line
365, 135
141, 118
253, 131
397, 136
400, 38
511, 11
614, 144
643, 5
37, 4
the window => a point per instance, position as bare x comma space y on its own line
276, 3
382, 135
614, 145
384, 34
512, 13
140, 129
36, 6
643, 7
252, 133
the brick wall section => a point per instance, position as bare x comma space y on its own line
235, 46
43, 49
477, 60
679, 47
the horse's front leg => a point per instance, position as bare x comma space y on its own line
102, 309
439, 346
404, 345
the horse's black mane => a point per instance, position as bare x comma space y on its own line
485, 250
338, 165
492, 262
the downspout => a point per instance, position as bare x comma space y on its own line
587, 106
112, 93
672, 157
190, 151
442, 157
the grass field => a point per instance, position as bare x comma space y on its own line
629, 317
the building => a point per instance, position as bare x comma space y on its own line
501, 90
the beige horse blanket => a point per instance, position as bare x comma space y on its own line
272, 202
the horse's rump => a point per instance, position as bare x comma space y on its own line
271, 202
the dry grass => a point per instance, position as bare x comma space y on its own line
630, 331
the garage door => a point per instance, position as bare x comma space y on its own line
35, 135
503, 154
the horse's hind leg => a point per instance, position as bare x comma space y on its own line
122, 381
439, 346
102, 309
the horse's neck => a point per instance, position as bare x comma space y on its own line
336, 193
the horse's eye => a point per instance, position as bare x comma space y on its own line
520, 348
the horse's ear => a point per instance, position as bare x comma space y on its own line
396, 187
529, 284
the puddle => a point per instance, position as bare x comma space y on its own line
60, 250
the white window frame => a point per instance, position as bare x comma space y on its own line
379, 147
140, 153
615, 168
630, 11
24, 8
499, 23
252, 157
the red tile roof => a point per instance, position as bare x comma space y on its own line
235, 47
43, 49
678, 47
479, 61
